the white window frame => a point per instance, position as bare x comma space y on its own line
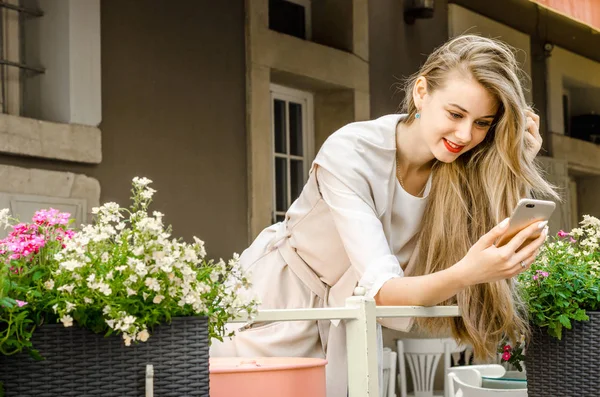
305, 99
307, 15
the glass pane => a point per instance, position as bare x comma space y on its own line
279, 126
279, 218
287, 17
296, 146
297, 177
281, 203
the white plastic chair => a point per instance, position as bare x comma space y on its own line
423, 356
467, 382
389, 372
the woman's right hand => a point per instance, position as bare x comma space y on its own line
486, 263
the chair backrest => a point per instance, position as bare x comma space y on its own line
466, 382
423, 356
389, 373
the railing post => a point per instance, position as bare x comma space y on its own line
361, 343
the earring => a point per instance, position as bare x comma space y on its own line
418, 116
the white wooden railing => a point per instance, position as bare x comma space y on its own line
360, 314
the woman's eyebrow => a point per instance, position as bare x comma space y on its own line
466, 111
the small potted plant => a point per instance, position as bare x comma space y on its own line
97, 304
562, 292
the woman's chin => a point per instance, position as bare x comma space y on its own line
446, 157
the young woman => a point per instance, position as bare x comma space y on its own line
409, 206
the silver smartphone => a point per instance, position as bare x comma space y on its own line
527, 211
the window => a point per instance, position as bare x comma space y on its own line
292, 132
12, 67
291, 17
566, 111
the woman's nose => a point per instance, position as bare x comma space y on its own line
463, 133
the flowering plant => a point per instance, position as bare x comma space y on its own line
563, 282
123, 274
512, 355
24, 257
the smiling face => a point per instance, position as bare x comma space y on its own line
455, 117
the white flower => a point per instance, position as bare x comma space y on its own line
152, 284
4, 218
141, 269
67, 321
127, 339
158, 255
104, 257
141, 182
590, 221
49, 284
104, 288
145, 295
200, 247
137, 251
87, 300
129, 320
106, 309
130, 291
121, 268
109, 275
110, 323
68, 288
71, 265
143, 335
157, 299
70, 307
55, 307
150, 226
190, 255
147, 193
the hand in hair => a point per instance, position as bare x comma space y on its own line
487, 263
533, 139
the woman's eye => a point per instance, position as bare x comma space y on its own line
455, 115
483, 124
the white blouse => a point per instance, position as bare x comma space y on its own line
353, 223
376, 250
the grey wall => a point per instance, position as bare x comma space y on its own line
173, 100
397, 50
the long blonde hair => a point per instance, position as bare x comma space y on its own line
472, 194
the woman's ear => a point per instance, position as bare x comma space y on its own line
420, 91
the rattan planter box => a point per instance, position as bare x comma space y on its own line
569, 367
80, 363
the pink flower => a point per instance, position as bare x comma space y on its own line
507, 348
506, 356
51, 217
572, 240
20, 303
562, 233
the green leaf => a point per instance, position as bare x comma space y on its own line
580, 315
37, 275
7, 302
564, 320
35, 355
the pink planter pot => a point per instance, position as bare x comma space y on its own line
267, 377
